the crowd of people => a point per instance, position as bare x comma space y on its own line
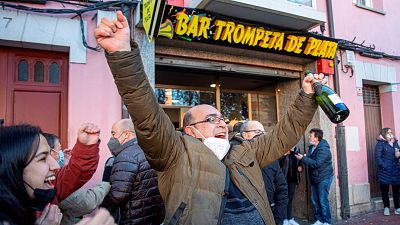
157, 175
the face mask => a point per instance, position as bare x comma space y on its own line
113, 144
218, 146
61, 158
311, 143
42, 197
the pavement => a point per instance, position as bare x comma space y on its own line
374, 218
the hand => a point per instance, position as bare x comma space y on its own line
102, 216
67, 155
298, 156
113, 36
309, 80
300, 169
51, 215
88, 134
397, 153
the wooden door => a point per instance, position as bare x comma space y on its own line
33, 89
373, 125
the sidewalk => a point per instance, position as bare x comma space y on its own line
375, 218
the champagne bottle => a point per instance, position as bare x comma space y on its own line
330, 102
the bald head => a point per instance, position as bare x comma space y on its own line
203, 121
123, 130
251, 128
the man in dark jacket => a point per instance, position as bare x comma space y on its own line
291, 168
274, 180
133, 183
319, 163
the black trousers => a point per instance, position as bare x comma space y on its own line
291, 190
385, 195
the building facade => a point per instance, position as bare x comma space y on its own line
47, 74
369, 84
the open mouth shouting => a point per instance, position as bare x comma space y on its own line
222, 135
50, 181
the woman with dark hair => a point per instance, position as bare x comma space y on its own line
387, 157
31, 180
27, 174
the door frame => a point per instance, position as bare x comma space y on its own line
13, 54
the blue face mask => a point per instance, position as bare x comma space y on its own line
61, 159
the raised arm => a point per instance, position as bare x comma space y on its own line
83, 162
155, 132
291, 128
286, 132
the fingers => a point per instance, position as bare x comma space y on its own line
121, 19
43, 215
108, 24
309, 78
89, 128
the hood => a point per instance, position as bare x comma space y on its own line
380, 138
323, 144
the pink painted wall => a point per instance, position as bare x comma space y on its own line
351, 21
93, 97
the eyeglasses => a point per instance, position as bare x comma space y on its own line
211, 119
258, 132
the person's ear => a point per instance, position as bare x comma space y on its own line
188, 130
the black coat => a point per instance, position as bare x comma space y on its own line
289, 164
134, 187
277, 190
319, 163
388, 164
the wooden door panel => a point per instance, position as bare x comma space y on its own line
38, 108
42, 102
372, 114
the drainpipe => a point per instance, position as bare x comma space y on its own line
340, 135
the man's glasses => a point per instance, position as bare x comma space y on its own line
211, 119
258, 132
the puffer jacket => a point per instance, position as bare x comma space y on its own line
134, 187
191, 179
277, 190
388, 164
319, 163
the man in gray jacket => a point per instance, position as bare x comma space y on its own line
195, 170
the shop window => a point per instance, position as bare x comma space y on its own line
234, 106
23, 69
263, 108
38, 74
179, 97
309, 3
54, 73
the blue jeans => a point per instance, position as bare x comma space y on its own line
320, 200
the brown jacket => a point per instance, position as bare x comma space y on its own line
191, 178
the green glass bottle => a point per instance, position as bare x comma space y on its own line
330, 102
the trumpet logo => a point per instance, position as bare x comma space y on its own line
167, 29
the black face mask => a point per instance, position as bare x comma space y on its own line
41, 198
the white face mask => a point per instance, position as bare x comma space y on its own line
218, 146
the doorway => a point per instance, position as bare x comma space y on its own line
34, 89
373, 125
